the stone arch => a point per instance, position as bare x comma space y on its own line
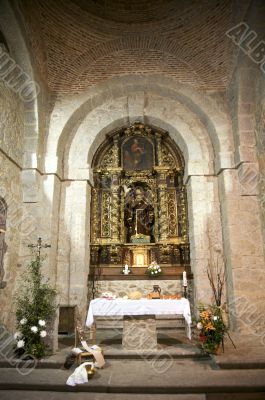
197, 161
209, 111
196, 176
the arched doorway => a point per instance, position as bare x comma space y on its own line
139, 207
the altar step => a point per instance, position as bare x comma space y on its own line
170, 374
137, 380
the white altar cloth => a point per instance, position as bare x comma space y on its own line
120, 307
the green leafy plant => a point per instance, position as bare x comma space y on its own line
35, 312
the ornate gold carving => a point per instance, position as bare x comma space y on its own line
140, 256
165, 253
115, 214
95, 225
113, 184
183, 215
108, 159
167, 159
106, 214
163, 213
94, 255
115, 254
138, 128
172, 213
115, 154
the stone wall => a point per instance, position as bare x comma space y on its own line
123, 288
242, 247
11, 155
11, 124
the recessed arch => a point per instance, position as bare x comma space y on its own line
208, 111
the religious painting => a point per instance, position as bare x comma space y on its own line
137, 154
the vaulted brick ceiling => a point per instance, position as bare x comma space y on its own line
79, 43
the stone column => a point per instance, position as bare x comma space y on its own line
244, 253
205, 235
73, 253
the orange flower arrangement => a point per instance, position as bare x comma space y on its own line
211, 327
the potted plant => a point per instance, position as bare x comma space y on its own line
210, 323
35, 312
211, 327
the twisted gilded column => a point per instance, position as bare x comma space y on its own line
115, 205
95, 231
163, 212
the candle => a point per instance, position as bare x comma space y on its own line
126, 270
185, 282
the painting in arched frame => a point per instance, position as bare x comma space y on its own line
137, 154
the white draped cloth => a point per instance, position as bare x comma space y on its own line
120, 307
79, 375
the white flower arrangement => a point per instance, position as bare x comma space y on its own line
17, 335
199, 326
154, 270
20, 344
23, 321
20, 338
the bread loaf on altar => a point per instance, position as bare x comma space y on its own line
135, 295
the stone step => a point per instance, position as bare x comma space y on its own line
143, 377
33, 395
49, 395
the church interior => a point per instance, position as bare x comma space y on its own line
132, 133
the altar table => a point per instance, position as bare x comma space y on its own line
120, 307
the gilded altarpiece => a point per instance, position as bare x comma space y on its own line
139, 207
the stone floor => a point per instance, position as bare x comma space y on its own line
176, 371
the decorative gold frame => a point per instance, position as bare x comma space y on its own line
164, 180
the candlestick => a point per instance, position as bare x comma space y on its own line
185, 282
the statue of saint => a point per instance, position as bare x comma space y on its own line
139, 217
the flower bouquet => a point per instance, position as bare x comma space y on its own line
211, 327
154, 270
30, 337
211, 324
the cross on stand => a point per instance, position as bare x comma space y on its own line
39, 246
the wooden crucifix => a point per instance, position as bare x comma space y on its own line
39, 246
